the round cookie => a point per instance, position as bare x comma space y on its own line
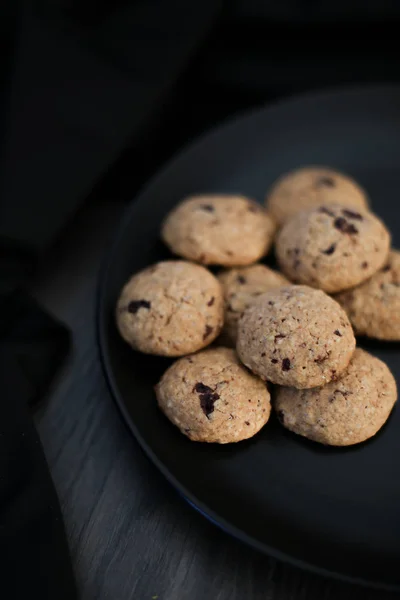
374, 306
219, 230
332, 247
211, 397
240, 287
295, 336
170, 309
311, 186
345, 412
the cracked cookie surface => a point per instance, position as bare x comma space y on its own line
332, 247
310, 186
345, 412
241, 286
171, 308
295, 336
211, 397
219, 230
374, 306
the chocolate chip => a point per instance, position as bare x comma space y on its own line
134, 305
207, 331
271, 303
262, 353
274, 361
344, 226
386, 268
321, 358
352, 215
337, 332
207, 397
285, 364
326, 211
296, 251
296, 264
325, 182
240, 279
247, 423
211, 301
279, 336
281, 416
364, 265
329, 250
344, 393
207, 207
253, 207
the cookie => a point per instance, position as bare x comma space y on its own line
345, 412
311, 186
211, 397
332, 247
170, 309
374, 306
295, 336
219, 230
240, 287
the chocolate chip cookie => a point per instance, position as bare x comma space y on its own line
345, 412
241, 286
295, 336
211, 397
332, 247
170, 309
312, 186
219, 230
374, 306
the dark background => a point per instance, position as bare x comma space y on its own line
94, 96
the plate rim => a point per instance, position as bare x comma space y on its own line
101, 334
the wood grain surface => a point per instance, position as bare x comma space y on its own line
132, 537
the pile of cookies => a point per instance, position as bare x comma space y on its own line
294, 329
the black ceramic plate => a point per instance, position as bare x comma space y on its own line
336, 511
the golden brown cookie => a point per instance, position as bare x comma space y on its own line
345, 412
170, 309
332, 247
311, 186
211, 397
219, 230
241, 286
295, 336
374, 306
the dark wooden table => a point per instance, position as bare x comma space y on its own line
132, 537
